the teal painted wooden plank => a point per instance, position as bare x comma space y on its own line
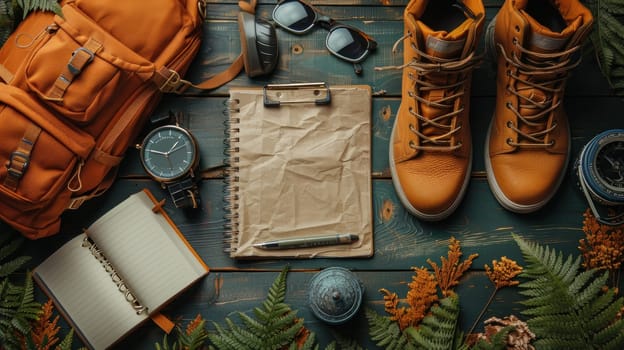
401, 241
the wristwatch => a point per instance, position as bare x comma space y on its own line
170, 155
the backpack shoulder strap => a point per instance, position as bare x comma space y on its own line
169, 81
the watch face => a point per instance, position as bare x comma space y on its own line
610, 165
168, 152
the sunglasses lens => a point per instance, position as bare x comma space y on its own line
294, 16
347, 43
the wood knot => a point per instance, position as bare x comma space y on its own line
297, 49
387, 210
386, 113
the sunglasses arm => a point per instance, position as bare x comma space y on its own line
357, 68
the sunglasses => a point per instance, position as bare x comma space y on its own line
345, 42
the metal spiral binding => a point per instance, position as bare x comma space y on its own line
230, 197
130, 297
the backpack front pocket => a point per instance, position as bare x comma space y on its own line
38, 154
77, 66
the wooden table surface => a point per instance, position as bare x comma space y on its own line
401, 241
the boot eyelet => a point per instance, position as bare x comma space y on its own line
412, 144
508, 72
517, 28
510, 124
514, 41
551, 143
509, 141
508, 105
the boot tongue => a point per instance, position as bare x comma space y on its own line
542, 39
443, 44
438, 46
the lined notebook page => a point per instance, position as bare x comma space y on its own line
80, 284
146, 251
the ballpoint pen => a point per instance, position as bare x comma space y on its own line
307, 242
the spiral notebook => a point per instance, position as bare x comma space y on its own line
300, 167
120, 272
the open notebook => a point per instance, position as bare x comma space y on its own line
300, 167
125, 267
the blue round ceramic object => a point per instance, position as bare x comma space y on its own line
600, 171
335, 295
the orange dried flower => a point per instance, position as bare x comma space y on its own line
502, 273
302, 336
194, 324
421, 295
44, 329
391, 305
452, 269
603, 245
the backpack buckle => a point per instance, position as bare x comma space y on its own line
17, 164
79, 60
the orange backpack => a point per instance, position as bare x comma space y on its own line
75, 90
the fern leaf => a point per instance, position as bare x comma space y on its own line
222, 339
615, 334
275, 326
343, 343
28, 6
566, 312
606, 37
386, 333
439, 330
7, 249
308, 344
66, 343
193, 338
244, 338
13, 265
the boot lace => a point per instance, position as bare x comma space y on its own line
547, 73
442, 74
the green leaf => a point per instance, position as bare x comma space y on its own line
274, 325
18, 307
439, 330
29, 6
607, 37
386, 333
567, 307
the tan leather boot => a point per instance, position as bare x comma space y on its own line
430, 147
528, 143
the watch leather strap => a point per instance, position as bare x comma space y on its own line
184, 193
